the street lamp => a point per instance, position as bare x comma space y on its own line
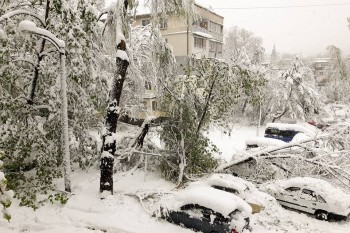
30, 27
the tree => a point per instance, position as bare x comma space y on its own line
274, 58
239, 40
30, 126
117, 21
204, 96
337, 89
5, 195
293, 93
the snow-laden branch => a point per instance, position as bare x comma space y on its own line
29, 26
22, 59
268, 151
21, 12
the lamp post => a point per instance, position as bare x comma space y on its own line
30, 27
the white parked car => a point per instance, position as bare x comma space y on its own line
313, 196
238, 186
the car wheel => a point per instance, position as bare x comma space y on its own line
321, 215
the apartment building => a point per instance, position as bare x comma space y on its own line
202, 37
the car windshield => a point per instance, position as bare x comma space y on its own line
230, 190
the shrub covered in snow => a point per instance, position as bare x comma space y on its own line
5, 195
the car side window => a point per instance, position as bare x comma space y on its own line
320, 199
230, 190
292, 191
308, 195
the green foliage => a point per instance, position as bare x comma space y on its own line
58, 198
199, 151
31, 134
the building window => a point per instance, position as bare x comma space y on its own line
148, 85
199, 42
163, 24
212, 46
144, 105
154, 106
202, 23
215, 27
145, 22
215, 47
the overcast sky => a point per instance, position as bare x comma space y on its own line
306, 30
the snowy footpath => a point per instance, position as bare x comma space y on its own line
123, 213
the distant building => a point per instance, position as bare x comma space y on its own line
322, 70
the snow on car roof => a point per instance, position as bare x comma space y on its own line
246, 190
217, 200
306, 128
264, 142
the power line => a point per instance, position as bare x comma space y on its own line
280, 7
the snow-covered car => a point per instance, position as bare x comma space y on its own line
313, 196
238, 186
277, 134
207, 210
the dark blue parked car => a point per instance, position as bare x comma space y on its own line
207, 210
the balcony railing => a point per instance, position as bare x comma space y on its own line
215, 35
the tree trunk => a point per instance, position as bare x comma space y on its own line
207, 103
31, 93
109, 145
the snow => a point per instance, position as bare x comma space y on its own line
246, 190
219, 201
122, 55
338, 200
264, 142
85, 212
233, 142
30, 26
2, 34
203, 34
300, 127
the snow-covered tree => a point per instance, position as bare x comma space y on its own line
117, 22
205, 95
239, 40
292, 94
5, 195
339, 82
30, 122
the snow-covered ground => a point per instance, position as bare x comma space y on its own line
230, 144
123, 213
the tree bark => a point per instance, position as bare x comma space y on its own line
207, 103
31, 96
109, 146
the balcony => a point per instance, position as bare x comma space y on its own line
214, 35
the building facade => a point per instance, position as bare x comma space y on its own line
202, 37
322, 70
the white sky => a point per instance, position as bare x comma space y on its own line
306, 30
